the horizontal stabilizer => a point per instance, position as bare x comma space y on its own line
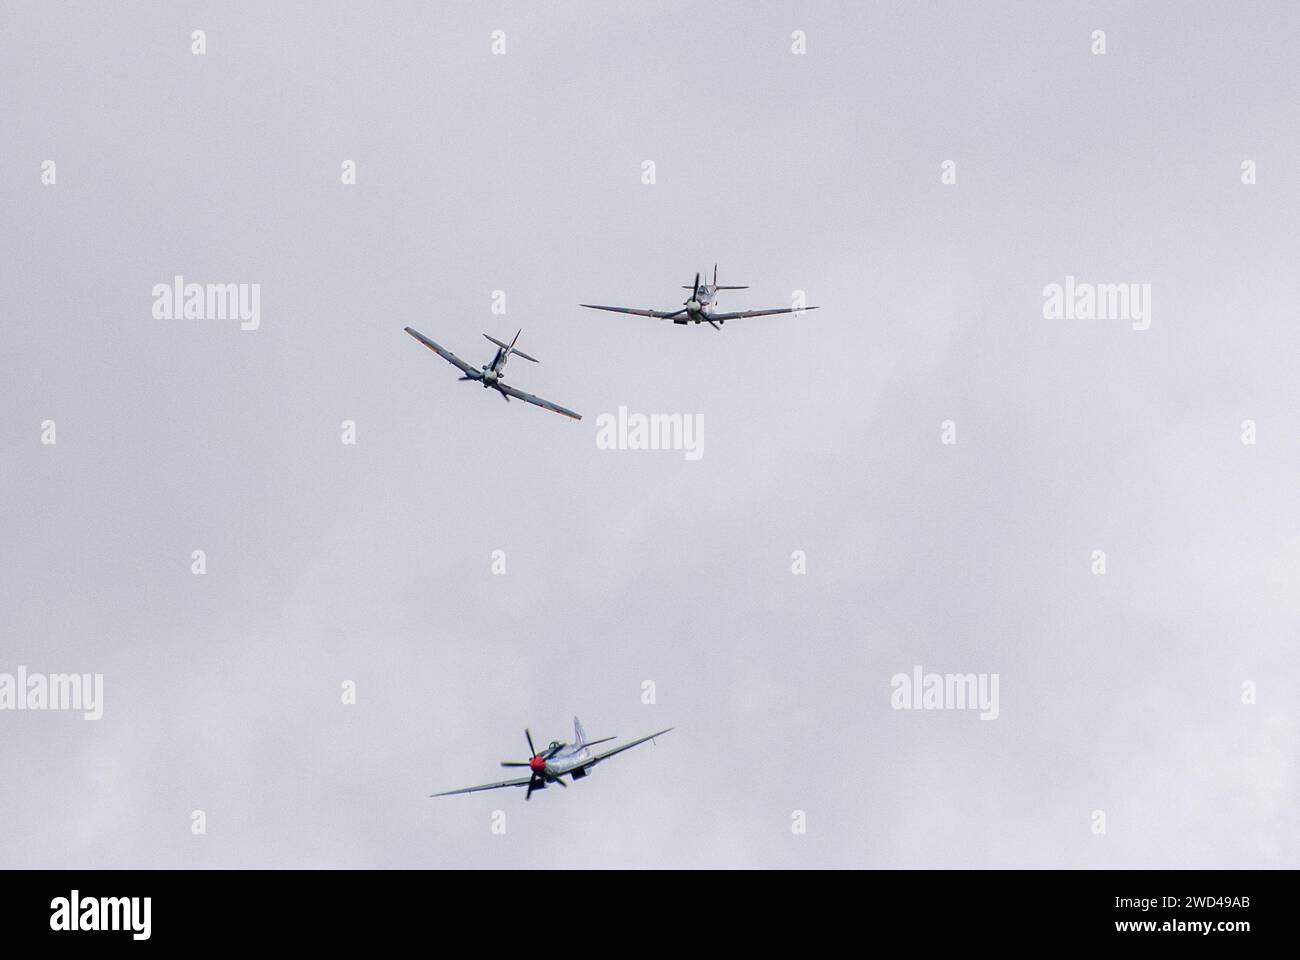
511, 350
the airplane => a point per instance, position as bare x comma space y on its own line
492, 375
698, 308
557, 760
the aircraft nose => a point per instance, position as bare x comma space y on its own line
537, 764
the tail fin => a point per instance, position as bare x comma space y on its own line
510, 348
579, 734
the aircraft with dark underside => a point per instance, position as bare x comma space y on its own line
492, 375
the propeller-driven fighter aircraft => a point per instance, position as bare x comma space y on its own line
492, 375
699, 307
556, 761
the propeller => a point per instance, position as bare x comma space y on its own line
539, 782
532, 754
537, 764
692, 303
695, 295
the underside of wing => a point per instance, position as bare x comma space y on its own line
606, 754
657, 314
447, 355
546, 404
520, 782
742, 314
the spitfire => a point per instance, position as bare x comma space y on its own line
557, 761
492, 375
700, 306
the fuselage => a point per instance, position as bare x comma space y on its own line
567, 758
495, 370
699, 306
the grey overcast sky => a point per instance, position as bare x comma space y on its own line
371, 563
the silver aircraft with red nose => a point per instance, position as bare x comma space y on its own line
558, 760
700, 306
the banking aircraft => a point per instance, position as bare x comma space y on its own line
699, 307
492, 375
556, 761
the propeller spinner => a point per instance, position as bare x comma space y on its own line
536, 763
693, 304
